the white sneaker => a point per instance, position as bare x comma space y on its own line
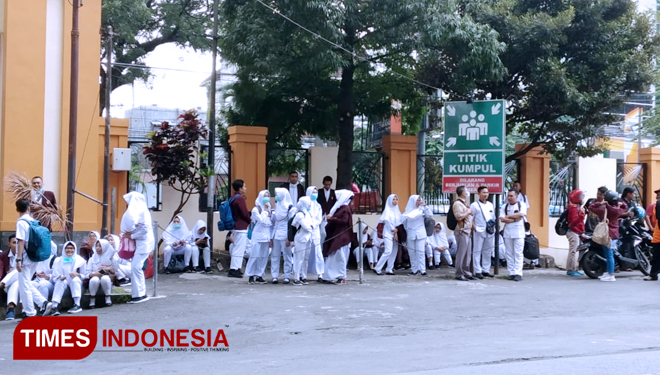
608, 278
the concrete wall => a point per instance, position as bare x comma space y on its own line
322, 162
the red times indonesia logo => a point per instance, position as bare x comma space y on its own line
55, 338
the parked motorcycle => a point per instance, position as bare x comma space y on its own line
592, 256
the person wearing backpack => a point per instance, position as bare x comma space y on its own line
462, 232
284, 210
611, 208
575, 216
483, 237
304, 223
26, 264
261, 235
242, 220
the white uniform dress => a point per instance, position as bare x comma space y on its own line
482, 242
28, 292
173, 235
514, 238
98, 262
413, 220
206, 250
11, 281
46, 285
315, 264
62, 269
261, 235
137, 221
439, 240
305, 223
284, 210
391, 218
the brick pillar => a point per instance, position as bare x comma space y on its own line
535, 180
651, 156
400, 165
248, 158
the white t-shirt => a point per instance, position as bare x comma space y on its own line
293, 190
488, 213
515, 229
23, 233
523, 200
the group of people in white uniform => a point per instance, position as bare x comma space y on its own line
179, 240
40, 286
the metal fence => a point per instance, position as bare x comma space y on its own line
281, 161
429, 183
562, 181
634, 175
368, 175
222, 169
511, 173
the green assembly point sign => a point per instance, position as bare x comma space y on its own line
475, 144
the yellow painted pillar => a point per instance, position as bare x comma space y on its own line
535, 180
651, 156
248, 158
400, 165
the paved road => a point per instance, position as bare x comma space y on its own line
546, 324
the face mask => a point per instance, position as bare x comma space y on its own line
315, 197
308, 209
177, 226
266, 200
277, 199
66, 259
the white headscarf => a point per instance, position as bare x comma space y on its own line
391, 213
53, 248
136, 213
199, 225
343, 198
259, 201
303, 204
62, 267
107, 252
412, 204
98, 236
282, 207
171, 235
116, 241
316, 206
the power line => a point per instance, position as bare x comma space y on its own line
145, 67
316, 35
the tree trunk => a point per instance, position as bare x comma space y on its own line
346, 132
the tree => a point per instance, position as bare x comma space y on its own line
142, 25
319, 83
172, 153
569, 63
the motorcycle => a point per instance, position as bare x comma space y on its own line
592, 256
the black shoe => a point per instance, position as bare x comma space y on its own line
462, 278
407, 266
319, 280
304, 281
479, 276
398, 266
511, 277
452, 265
24, 316
43, 308
260, 280
167, 271
234, 273
390, 273
470, 277
379, 273
197, 269
423, 273
287, 281
188, 269
431, 267
486, 274
517, 278
208, 270
651, 278
275, 281
108, 304
411, 274
251, 280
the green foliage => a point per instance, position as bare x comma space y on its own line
569, 63
142, 25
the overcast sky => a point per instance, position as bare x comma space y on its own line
180, 88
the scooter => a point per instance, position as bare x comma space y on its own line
592, 256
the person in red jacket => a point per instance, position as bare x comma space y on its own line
575, 219
242, 220
611, 208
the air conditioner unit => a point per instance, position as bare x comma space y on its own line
121, 159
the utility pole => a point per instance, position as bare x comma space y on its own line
106, 143
210, 196
73, 117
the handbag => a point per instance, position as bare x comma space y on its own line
429, 225
379, 229
490, 224
601, 234
126, 248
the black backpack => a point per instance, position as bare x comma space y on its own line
290, 229
561, 227
451, 219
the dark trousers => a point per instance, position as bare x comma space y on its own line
655, 262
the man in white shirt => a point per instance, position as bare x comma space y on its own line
483, 242
513, 215
522, 198
26, 267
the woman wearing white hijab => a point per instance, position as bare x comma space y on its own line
68, 272
261, 217
413, 219
101, 270
284, 210
338, 241
199, 240
124, 266
136, 224
305, 224
391, 219
176, 237
315, 262
440, 245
